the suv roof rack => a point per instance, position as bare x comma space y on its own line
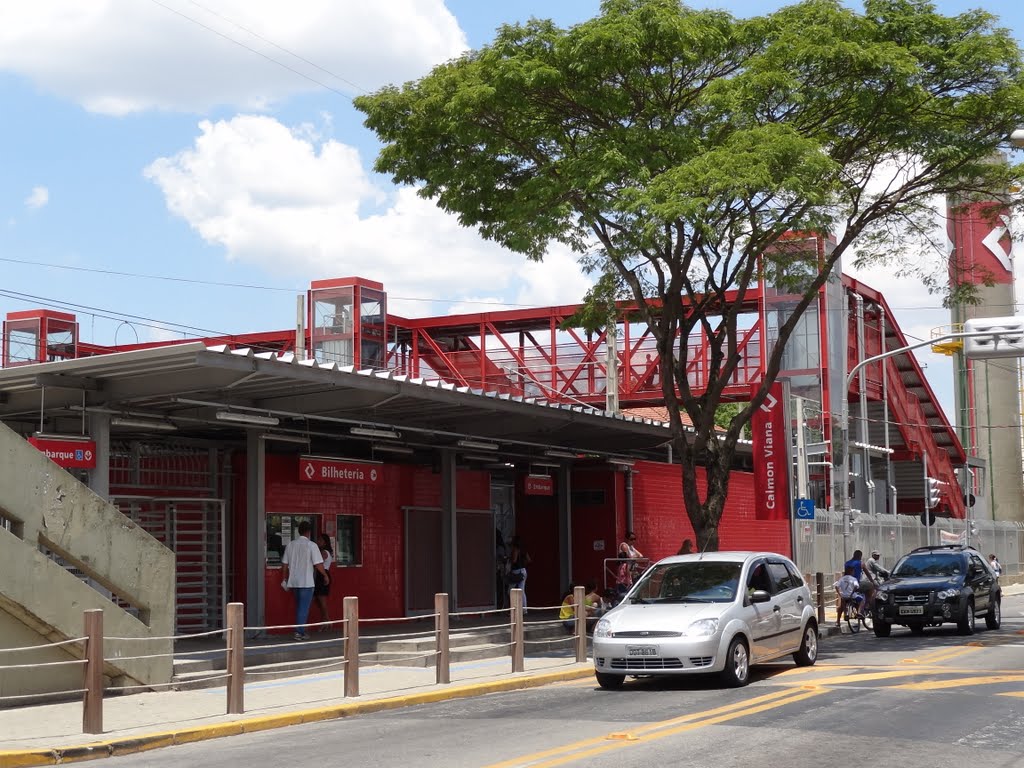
950, 547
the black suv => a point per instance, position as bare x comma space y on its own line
933, 585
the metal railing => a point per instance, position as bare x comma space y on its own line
91, 646
820, 542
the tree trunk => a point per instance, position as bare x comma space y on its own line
704, 514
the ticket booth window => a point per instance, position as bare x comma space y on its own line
283, 528
349, 540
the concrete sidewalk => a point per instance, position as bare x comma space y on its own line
52, 733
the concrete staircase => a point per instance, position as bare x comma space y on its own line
49, 521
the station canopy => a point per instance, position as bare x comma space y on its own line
195, 391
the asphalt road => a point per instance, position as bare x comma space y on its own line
939, 699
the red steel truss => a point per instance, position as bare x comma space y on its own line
538, 353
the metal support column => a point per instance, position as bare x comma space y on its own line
449, 529
99, 477
256, 528
564, 523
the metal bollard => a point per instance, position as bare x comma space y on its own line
443, 659
351, 607
236, 657
518, 639
579, 596
92, 700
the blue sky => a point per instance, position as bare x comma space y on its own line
155, 137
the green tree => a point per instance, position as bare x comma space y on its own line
674, 149
726, 413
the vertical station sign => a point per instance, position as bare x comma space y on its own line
771, 457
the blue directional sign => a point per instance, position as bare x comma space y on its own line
804, 509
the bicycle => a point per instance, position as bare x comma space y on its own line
856, 613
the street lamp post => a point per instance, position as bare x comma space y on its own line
1008, 326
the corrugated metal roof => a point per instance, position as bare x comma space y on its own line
171, 381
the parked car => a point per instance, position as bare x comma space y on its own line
710, 612
931, 586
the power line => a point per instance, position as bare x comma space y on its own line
251, 286
279, 47
254, 50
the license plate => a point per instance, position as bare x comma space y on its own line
911, 610
641, 650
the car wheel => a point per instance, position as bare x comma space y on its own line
883, 629
808, 653
966, 624
737, 664
916, 629
994, 617
610, 682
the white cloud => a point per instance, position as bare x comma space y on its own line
38, 197
121, 56
276, 198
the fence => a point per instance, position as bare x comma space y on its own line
822, 546
92, 644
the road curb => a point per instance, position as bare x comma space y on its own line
143, 743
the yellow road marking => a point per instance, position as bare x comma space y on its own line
942, 654
937, 685
861, 678
935, 658
684, 722
662, 733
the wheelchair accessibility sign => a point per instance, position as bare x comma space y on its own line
804, 509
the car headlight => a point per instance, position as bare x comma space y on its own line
948, 593
702, 628
603, 628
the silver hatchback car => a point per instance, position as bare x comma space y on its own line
712, 612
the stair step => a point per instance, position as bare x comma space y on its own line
288, 659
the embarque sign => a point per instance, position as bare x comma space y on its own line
317, 469
70, 454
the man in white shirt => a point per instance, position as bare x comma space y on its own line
301, 557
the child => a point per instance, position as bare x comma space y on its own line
847, 588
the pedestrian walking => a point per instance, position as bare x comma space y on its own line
322, 586
301, 560
994, 562
518, 558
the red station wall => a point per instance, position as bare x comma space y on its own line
661, 524
379, 582
598, 523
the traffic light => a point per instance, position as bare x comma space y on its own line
932, 499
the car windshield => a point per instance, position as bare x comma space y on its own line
698, 581
934, 564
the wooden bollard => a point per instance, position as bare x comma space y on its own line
518, 639
351, 608
579, 596
443, 659
819, 588
236, 657
92, 700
